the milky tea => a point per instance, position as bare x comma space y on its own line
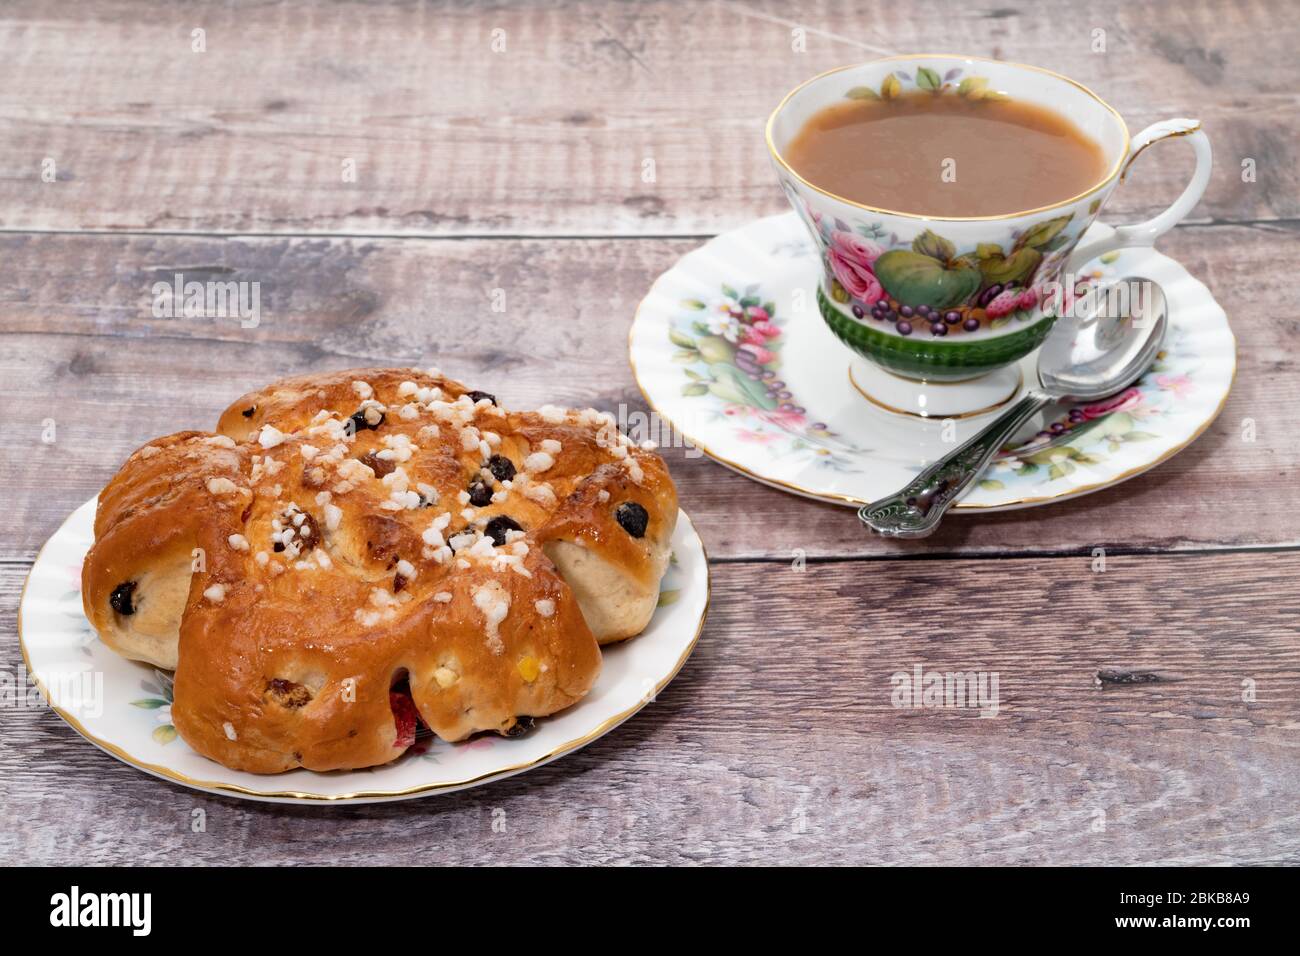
946, 156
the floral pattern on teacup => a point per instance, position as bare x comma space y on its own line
930, 79
928, 286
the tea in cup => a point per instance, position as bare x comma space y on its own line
947, 196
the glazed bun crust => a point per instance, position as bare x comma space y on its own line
352, 550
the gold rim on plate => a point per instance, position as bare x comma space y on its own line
216, 785
1120, 164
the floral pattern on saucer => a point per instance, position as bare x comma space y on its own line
730, 350
1085, 434
749, 293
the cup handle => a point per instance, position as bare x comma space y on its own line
1146, 233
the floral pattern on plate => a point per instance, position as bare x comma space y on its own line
99, 692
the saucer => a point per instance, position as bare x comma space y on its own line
124, 707
729, 348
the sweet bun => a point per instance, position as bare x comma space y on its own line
353, 554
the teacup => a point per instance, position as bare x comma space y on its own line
961, 264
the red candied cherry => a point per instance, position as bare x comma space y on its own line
405, 716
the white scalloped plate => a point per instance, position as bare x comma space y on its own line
123, 707
829, 443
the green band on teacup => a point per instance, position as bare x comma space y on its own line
928, 357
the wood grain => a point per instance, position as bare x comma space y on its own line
780, 742
550, 136
80, 338
1122, 736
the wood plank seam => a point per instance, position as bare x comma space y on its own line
1285, 223
1111, 552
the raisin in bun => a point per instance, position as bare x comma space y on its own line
352, 552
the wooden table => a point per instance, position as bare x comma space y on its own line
503, 147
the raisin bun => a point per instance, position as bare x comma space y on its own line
352, 554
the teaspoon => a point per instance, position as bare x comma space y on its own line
1081, 360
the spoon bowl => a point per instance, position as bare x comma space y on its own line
1090, 358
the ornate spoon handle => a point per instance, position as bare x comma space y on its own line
916, 510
